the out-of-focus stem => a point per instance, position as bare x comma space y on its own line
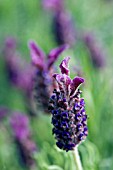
77, 159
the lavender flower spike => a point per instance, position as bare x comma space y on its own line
68, 110
43, 63
64, 29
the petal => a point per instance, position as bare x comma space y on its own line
54, 54
63, 81
37, 55
76, 83
64, 66
60, 78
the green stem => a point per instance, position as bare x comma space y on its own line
77, 159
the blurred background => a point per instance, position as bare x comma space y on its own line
26, 140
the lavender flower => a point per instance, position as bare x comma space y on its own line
95, 50
63, 28
43, 82
22, 135
12, 59
68, 110
20, 73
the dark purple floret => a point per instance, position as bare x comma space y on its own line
68, 110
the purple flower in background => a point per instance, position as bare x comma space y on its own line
22, 135
63, 28
44, 84
96, 52
20, 73
12, 59
20, 126
68, 110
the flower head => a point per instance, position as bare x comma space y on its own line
43, 63
68, 110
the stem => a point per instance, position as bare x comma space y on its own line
77, 159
